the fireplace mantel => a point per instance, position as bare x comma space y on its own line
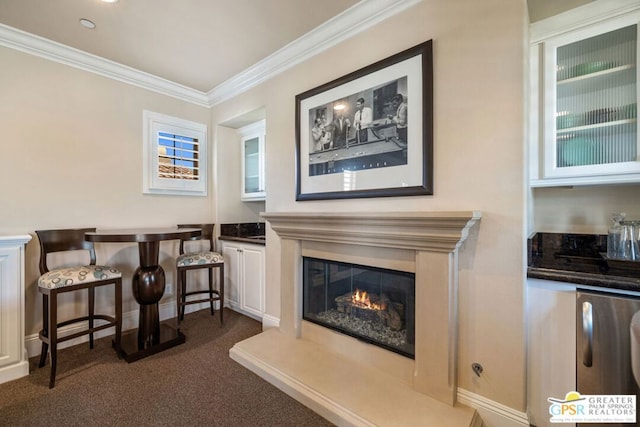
427, 231
427, 244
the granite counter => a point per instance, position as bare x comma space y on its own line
246, 232
579, 259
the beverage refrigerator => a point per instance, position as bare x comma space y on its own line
605, 345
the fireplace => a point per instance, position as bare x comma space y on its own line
375, 305
312, 362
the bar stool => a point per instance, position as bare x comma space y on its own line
209, 260
70, 279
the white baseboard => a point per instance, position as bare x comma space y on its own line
129, 321
493, 414
238, 309
14, 371
269, 321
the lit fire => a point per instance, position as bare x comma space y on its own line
361, 299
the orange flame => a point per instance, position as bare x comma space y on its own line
361, 299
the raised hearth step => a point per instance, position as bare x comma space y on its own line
316, 378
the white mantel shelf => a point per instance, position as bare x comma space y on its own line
345, 380
432, 231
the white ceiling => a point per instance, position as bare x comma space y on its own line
540, 9
195, 43
202, 51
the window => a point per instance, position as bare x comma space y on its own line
174, 155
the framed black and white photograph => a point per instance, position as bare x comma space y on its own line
369, 133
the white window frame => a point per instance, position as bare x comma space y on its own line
152, 183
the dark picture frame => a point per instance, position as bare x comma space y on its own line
370, 132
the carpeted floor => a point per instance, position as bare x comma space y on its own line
192, 384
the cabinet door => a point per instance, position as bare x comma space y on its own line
253, 162
231, 254
251, 165
253, 280
590, 102
11, 338
551, 345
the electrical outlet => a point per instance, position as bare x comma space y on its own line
168, 289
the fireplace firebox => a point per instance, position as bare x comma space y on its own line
375, 305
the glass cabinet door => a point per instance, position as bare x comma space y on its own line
253, 139
591, 88
252, 165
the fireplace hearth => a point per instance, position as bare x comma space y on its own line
372, 304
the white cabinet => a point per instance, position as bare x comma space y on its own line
585, 90
253, 162
244, 277
551, 345
13, 355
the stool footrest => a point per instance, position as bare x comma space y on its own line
199, 301
111, 321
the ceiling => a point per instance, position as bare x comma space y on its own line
201, 44
195, 43
540, 9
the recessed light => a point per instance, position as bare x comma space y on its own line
110, 1
87, 24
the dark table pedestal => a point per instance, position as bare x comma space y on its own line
168, 337
148, 285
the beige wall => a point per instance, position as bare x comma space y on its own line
479, 164
72, 157
585, 209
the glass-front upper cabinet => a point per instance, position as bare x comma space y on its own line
588, 130
253, 162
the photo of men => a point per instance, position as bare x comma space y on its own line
364, 130
341, 125
362, 119
400, 118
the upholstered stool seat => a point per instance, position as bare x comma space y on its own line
69, 279
195, 260
199, 258
69, 276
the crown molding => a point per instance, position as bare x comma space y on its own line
357, 18
39, 46
352, 21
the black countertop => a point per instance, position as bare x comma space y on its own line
246, 232
579, 259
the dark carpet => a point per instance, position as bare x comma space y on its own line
192, 384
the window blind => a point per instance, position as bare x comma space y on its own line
178, 156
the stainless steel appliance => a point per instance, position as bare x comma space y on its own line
604, 345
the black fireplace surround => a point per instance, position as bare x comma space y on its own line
375, 305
